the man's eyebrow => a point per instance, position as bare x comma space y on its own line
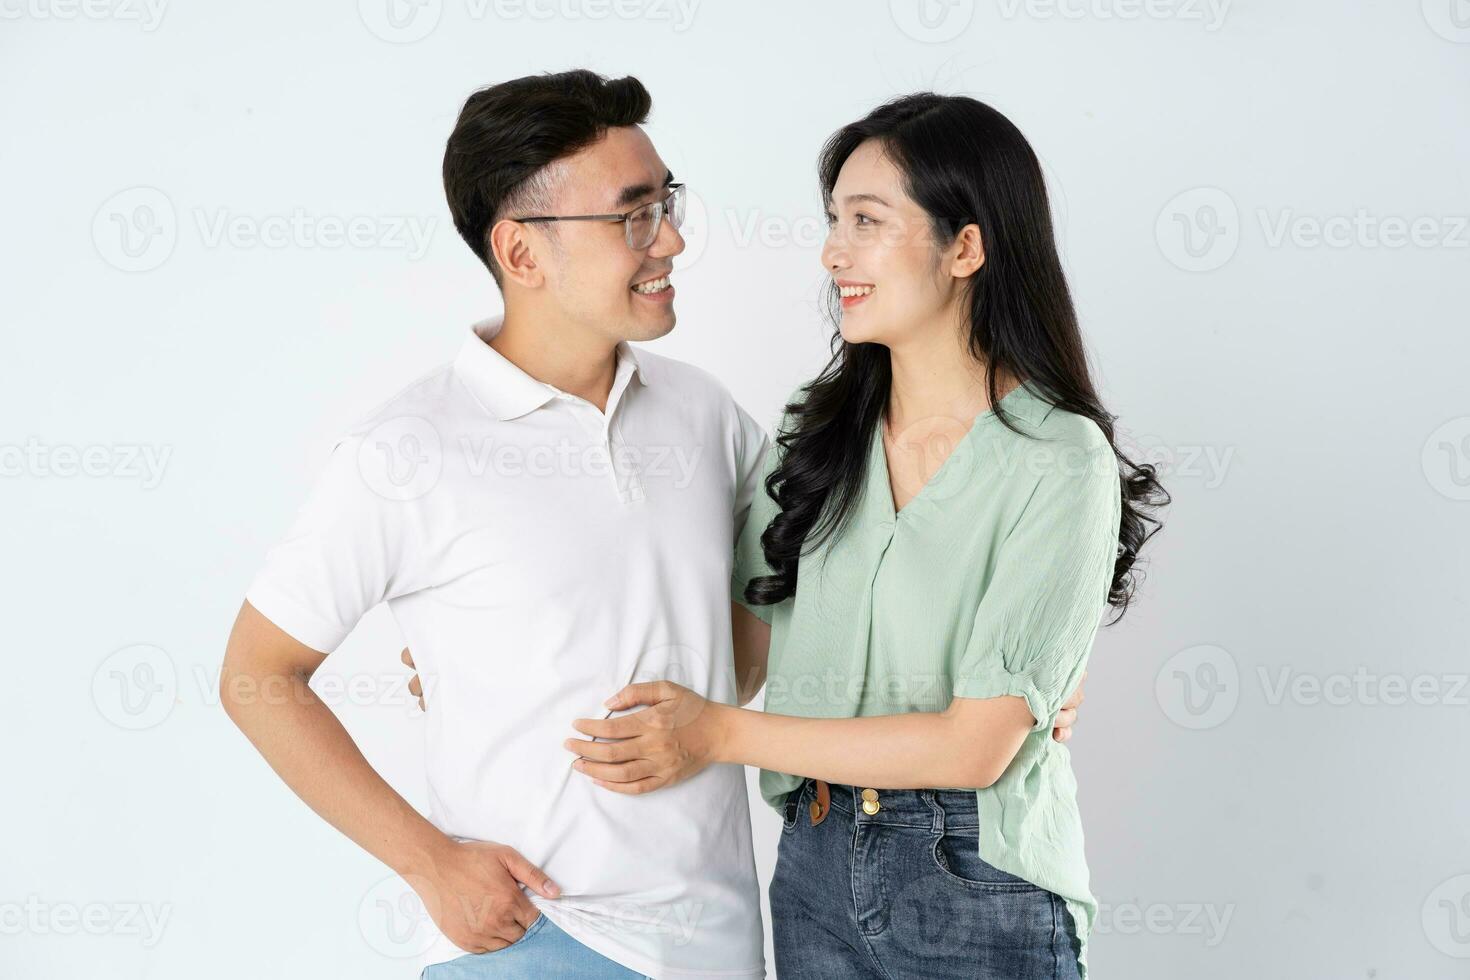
636, 192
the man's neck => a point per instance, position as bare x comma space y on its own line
562, 357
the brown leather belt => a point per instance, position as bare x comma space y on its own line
822, 803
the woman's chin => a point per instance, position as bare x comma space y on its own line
853, 333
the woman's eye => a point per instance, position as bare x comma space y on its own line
859, 219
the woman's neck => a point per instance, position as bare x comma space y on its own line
935, 375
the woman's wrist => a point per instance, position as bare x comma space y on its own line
726, 724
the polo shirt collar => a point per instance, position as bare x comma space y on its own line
507, 392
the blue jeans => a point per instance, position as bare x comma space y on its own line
543, 953
902, 894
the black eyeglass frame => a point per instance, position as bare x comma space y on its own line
660, 209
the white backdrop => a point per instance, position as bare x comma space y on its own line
224, 238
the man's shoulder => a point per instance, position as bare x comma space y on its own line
425, 401
703, 396
698, 390
688, 380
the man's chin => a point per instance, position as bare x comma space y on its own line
661, 332
652, 327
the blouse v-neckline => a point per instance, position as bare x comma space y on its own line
881, 472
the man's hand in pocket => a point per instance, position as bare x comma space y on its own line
472, 891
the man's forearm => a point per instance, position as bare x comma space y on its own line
307, 746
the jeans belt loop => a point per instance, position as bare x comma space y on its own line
932, 798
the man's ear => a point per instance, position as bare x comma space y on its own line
510, 242
967, 254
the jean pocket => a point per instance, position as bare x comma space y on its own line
957, 856
451, 969
791, 809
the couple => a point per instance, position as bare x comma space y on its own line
559, 523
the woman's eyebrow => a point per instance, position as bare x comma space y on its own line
636, 192
860, 198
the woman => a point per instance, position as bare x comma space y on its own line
946, 516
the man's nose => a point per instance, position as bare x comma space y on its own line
668, 241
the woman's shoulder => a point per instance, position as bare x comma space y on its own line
1042, 419
1060, 453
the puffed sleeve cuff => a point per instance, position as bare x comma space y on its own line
995, 681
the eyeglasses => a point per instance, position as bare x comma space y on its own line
640, 225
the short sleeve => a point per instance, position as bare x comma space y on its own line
1036, 622
754, 510
342, 555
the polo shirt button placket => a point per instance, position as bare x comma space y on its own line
629, 487
597, 428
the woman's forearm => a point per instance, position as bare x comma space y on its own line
906, 751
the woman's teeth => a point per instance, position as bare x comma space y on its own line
855, 290
652, 285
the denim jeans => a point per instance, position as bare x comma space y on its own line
902, 894
543, 953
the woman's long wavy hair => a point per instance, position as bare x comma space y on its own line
963, 163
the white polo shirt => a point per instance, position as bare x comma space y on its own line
538, 555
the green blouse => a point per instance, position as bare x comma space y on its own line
991, 581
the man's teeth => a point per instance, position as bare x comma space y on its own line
855, 290
652, 286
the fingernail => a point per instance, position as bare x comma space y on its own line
610, 701
553, 888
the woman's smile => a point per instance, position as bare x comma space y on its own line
854, 293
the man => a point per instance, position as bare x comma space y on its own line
548, 517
